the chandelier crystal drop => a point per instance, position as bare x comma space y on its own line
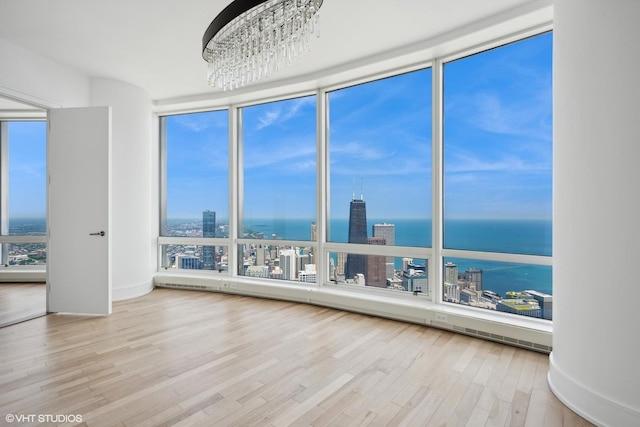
250, 39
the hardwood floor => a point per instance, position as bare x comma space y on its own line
194, 358
21, 301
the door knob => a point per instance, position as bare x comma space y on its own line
100, 233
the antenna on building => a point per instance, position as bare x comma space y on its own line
353, 189
361, 188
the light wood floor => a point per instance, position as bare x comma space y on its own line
21, 301
194, 358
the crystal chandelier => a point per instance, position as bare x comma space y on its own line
250, 39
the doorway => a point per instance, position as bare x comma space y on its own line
23, 249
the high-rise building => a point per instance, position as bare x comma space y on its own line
288, 264
357, 234
375, 266
388, 232
473, 279
208, 230
451, 273
314, 231
340, 263
303, 259
261, 253
188, 262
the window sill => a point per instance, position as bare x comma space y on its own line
23, 273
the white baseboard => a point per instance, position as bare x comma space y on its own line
584, 401
122, 293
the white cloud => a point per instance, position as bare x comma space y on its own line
201, 122
276, 115
285, 152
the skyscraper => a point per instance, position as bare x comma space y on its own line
388, 232
314, 231
287, 264
473, 279
208, 230
451, 273
375, 266
357, 234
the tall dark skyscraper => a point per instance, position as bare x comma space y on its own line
357, 234
208, 230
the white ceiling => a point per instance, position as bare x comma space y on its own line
156, 44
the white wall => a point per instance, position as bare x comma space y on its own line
31, 77
594, 367
131, 185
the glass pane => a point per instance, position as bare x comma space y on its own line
197, 167
279, 168
26, 253
192, 257
522, 289
391, 273
279, 262
380, 160
498, 149
27, 178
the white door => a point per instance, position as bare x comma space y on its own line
78, 211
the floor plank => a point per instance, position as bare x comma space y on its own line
21, 301
178, 357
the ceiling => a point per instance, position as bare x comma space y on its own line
156, 44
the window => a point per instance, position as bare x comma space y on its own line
24, 206
278, 189
376, 203
380, 176
498, 175
196, 196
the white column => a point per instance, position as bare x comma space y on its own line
132, 215
596, 244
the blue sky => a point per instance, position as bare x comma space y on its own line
27, 170
497, 154
280, 159
197, 164
498, 132
380, 136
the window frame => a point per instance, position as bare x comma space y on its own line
434, 255
5, 238
164, 241
438, 167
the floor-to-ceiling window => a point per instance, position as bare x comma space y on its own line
278, 192
23, 192
379, 144
347, 187
498, 178
195, 196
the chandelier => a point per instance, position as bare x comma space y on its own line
250, 39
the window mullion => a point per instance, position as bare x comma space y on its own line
437, 182
322, 187
4, 188
235, 189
